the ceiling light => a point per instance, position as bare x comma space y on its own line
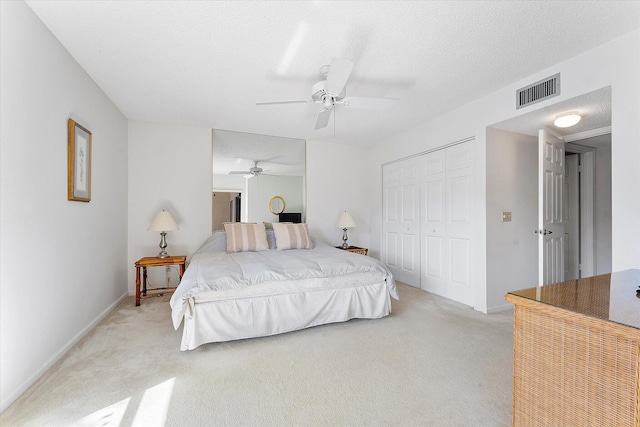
567, 119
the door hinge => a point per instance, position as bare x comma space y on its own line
580, 168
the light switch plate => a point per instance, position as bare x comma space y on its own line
506, 216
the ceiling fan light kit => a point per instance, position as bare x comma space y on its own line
331, 91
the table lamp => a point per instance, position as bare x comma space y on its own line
345, 221
163, 222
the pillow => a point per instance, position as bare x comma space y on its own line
292, 236
271, 238
244, 237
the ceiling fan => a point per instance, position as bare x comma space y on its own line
253, 171
331, 92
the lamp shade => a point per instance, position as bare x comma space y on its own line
345, 221
163, 222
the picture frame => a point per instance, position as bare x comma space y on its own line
79, 163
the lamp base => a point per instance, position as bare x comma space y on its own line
163, 245
345, 245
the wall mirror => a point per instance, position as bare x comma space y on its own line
277, 205
249, 170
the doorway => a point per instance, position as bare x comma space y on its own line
226, 206
512, 247
588, 207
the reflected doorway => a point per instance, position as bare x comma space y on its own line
226, 206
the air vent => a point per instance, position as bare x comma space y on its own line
539, 91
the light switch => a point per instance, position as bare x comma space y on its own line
506, 216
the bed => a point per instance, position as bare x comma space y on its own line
252, 293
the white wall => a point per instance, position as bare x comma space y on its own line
512, 185
63, 263
338, 180
229, 182
262, 188
169, 168
615, 64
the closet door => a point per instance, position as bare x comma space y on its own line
447, 226
434, 224
459, 176
401, 223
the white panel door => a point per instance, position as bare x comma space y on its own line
434, 223
446, 236
401, 223
459, 178
550, 208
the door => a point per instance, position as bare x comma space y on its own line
446, 231
401, 223
459, 175
572, 216
550, 208
434, 224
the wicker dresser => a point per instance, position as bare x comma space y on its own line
576, 352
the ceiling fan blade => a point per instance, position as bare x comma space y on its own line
339, 73
295, 101
323, 118
239, 172
369, 103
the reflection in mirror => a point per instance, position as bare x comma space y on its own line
277, 205
249, 170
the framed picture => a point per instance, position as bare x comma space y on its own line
79, 155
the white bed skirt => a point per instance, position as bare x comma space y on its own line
216, 317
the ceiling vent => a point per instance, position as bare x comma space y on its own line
539, 91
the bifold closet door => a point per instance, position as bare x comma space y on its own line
401, 221
447, 223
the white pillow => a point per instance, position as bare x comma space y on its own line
292, 236
243, 237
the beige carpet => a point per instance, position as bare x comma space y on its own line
432, 362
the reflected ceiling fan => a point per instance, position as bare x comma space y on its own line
253, 171
331, 92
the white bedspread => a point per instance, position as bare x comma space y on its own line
212, 269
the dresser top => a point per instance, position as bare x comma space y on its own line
609, 296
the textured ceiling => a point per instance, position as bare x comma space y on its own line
206, 63
237, 151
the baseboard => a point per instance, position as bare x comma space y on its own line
500, 308
8, 400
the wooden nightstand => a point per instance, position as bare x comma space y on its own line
145, 262
356, 250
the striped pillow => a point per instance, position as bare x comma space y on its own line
243, 237
292, 236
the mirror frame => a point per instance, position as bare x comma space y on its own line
274, 198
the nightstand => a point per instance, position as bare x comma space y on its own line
356, 250
145, 262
